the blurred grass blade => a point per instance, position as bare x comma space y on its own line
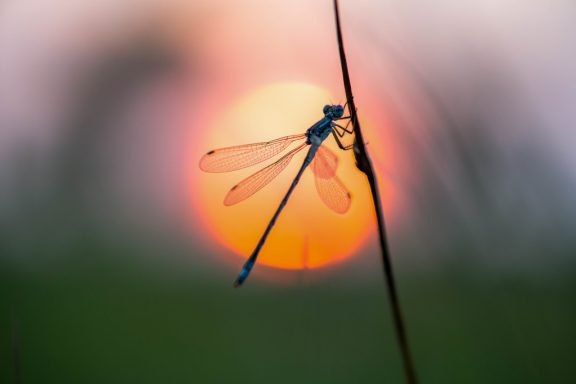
16, 366
364, 164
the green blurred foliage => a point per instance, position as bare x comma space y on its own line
107, 323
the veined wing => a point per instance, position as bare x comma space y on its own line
325, 163
254, 183
242, 156
331, 190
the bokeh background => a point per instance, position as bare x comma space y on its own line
112, 269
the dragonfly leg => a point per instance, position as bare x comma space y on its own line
346, 117
346, 105
347, 124
335, 128
342, 146
344, 128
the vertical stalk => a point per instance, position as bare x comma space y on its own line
364, 164
17, 372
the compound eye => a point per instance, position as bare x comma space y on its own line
326, 109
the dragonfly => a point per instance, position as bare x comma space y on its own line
321, 160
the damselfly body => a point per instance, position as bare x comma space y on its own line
322, 161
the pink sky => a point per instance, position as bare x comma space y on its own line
229, 47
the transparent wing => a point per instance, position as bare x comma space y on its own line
331, 190
325, 163
255, 182
334, 194
242, 156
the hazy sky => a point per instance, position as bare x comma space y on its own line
455, 83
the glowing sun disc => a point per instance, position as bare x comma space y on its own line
307, 234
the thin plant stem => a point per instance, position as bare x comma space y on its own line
16, 367
364, 164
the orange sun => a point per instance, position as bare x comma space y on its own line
307, 234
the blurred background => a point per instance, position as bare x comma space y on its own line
117, 255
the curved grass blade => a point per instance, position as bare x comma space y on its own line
364, 164
242, 156
257, 181
331, 190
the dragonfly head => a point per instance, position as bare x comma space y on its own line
333, 111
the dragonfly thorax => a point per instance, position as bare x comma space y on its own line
323, 127
319, 131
